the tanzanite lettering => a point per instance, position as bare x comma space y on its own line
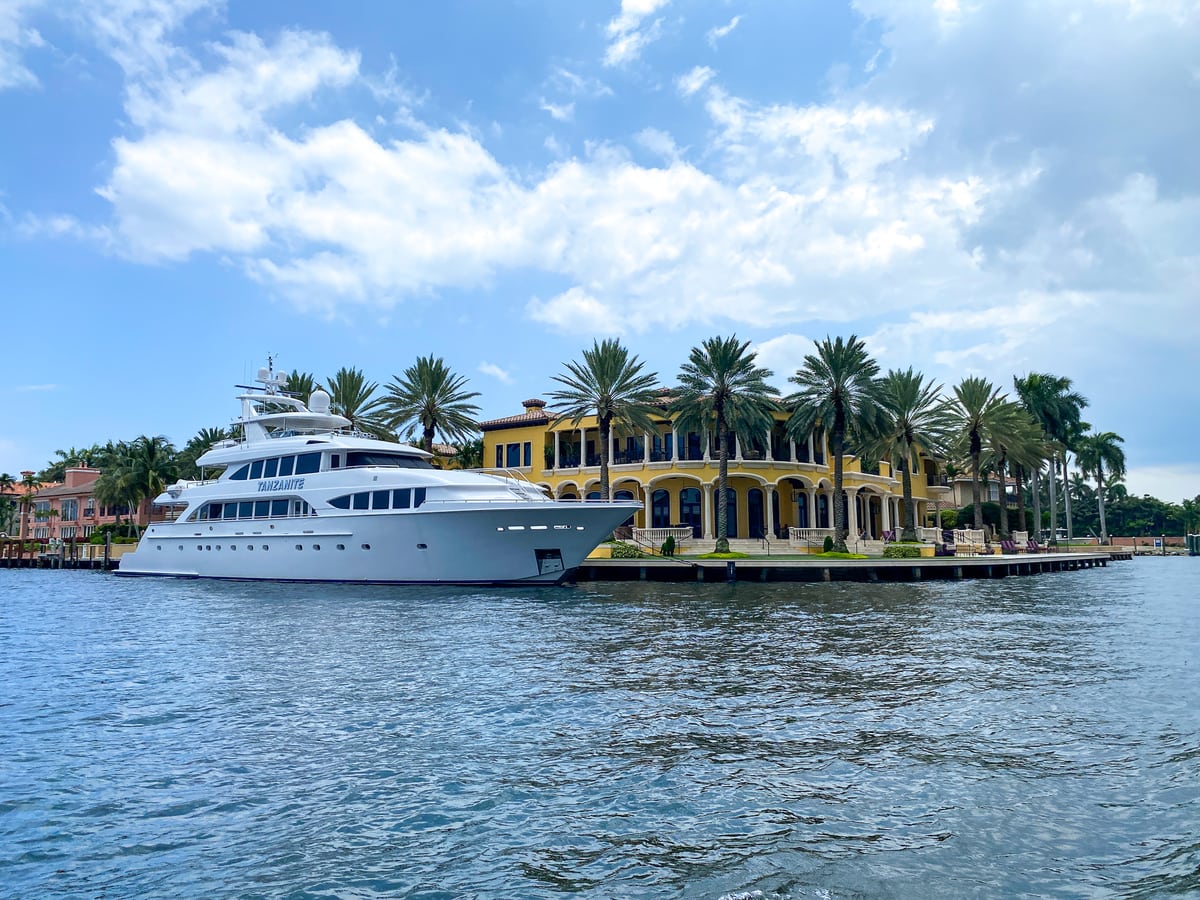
280, 484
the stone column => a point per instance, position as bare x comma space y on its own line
582, 447
557, 435
646, 448
770, 445
674, 454
768, 499
851, 514
885, 509
811, 508
737, 448
709, 527
812, 457
705, 438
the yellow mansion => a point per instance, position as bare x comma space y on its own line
778, 489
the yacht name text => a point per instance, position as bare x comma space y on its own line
281, 484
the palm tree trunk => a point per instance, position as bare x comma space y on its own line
604, 430
910, 510
1035, 489
722, 487
1019, 474
1100, 503
976, 498
839, 494
1004, 533
1067, 496
1053, 500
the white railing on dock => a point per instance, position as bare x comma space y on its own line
808, 535
929, 535
1020, 538
654, 537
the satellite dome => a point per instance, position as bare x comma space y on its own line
318, 401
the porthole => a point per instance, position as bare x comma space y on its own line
299, 546
341, 546
366, 546
249, 546
181, 546
422, 546
265, 548
316, 546
158, 548
208, 546
233, 546
199, 548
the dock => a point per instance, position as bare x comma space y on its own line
824, 570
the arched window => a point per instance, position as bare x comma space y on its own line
755, 513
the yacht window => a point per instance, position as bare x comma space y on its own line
279, 507
240, 474
418, 497
360, 500
299, 508
391, 460
262, 509
245, 509
270, 468
230, 511
256, 469
335, 460
308, 463
379, 499
285, 466
340, 502
401, 499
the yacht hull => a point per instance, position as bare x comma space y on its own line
446, 543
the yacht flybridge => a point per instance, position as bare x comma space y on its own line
304, 497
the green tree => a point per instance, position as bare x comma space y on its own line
431, 397
197, 447
352, 396
721, 388
609, 384
985, 417
838, 389
469, 454
1100, 456
1053, 405
915, 420
300, 384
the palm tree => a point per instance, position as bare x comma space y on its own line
610, 385
300, 384
197, 447
839, 390
8, 506
985, 417
148, 468
352, 396
721, 388
916, 420
430, 396
1052, 404
469, 454
1019, 442
1099, 455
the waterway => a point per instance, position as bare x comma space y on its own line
1035, 736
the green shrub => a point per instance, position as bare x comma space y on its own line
902, 551
730, 555
949, 518
624, 551
668, 546
827, 547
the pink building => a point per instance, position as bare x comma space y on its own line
68, 511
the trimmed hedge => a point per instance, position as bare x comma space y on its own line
624, 551
902, 551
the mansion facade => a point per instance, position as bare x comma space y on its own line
775, 484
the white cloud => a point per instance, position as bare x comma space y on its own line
657, 142
496, 372
563, 112
15, 37
1172, 483
715, 34
35, 388
783, 355
693, 80
627, 36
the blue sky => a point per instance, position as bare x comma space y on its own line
974, 188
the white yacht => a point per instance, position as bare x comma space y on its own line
302, 497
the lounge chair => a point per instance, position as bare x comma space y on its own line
1009, 547
889, 537
1033, 546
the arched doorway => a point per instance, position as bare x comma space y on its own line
690, 510
823, 511
625, 495
755, 514
660, 509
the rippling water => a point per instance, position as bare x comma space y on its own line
1035, 736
